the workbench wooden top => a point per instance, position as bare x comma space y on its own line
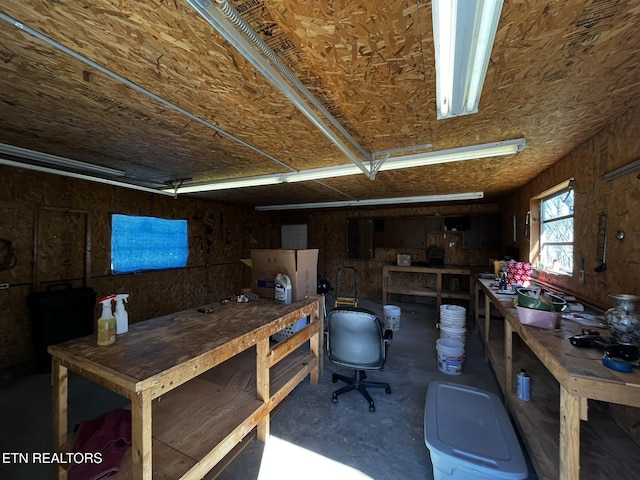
579, 369
191, 339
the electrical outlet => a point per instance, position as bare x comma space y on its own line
581, 276
4, 286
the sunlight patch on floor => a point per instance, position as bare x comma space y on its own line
283, 460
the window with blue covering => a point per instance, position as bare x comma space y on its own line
147, 243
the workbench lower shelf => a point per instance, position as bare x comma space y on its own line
219, 407
606, 451
603, 443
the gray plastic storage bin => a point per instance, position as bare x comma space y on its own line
469, 435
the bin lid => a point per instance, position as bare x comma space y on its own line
471, 427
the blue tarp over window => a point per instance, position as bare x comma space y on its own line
147, 243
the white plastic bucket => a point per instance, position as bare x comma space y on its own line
391, 317
459, 334
453, 316
450, 356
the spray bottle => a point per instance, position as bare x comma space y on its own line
106, 322
122, 317
282, 285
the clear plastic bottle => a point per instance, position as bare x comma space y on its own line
106, 322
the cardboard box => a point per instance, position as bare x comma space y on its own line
300, 265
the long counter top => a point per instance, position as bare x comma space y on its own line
580, 377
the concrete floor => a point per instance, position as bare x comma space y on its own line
344, 438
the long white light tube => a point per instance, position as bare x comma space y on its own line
376, 201
494, 149
463, 33
90, 178
24, 153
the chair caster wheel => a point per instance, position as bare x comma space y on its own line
335, 399
372, 408
387, 390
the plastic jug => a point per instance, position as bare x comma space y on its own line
283, 288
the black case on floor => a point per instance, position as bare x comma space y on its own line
62, 313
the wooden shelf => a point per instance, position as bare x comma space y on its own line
423, 282
602, 449
415, 291
193, 410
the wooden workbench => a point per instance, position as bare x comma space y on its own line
168, 358
565, 382
424, 282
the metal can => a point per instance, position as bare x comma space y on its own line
524, 392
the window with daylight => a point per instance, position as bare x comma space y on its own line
147, 243
556, 231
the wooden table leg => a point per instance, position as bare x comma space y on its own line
141, 436
60, 384
508, 357
476, 302
487, 319
569, 435
262, 378
316, 343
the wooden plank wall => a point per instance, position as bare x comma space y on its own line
219, 236
327, 232
611, 148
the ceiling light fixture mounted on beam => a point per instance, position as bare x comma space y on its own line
487, 150
81, 176
376, 201
20, 154
463, 34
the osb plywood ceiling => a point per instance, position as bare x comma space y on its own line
150, 88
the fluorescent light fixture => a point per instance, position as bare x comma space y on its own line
463, 34
90, 178
24, 153
229, 184
494, 149
377, 201
620, 171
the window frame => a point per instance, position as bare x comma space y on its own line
536, 224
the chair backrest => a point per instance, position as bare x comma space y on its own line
355, 339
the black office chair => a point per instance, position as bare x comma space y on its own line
356, 339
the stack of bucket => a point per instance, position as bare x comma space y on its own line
450, 345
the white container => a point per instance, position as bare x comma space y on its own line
469, 435
391, 317
450, 355
453, 316
538, 318
459, 334
282, 285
